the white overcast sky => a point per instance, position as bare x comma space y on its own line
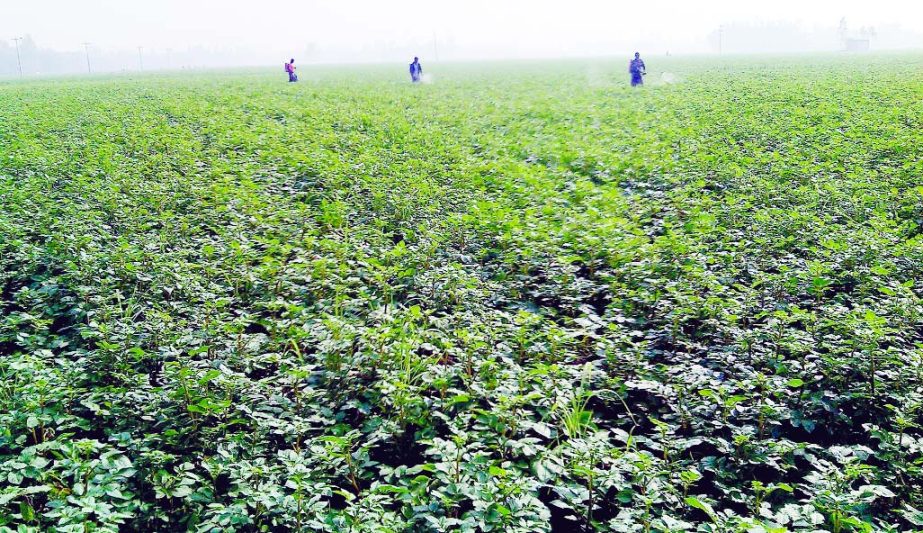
480, 27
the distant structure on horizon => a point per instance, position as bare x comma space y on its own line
855, 42
857, 45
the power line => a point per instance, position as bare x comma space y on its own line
86, 48
18, 59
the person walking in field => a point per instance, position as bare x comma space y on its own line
290, 69
416, 70
638, 70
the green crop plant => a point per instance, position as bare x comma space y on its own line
523, 298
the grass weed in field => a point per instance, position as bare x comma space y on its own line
522, 297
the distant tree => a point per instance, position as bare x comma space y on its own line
28, 46
843, 31
868, 32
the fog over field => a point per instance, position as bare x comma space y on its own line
58, 35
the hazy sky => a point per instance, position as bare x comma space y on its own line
477, 27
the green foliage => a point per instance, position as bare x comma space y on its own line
510, 301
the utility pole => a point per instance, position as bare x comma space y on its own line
435, 47
86, 48
18, 59
140, 58
720, 39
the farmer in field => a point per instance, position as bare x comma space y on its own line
638, 70
416, 70
290, 69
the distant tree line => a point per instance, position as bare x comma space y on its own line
41, 61
787, 37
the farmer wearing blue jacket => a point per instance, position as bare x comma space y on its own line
416, 70
638, 70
